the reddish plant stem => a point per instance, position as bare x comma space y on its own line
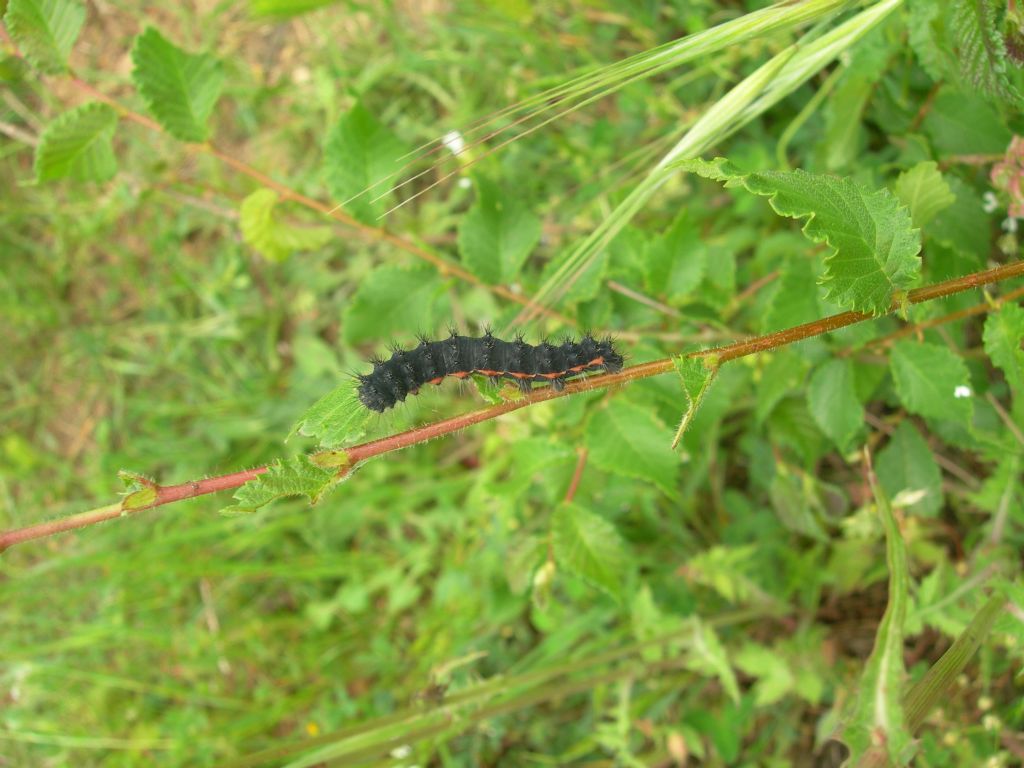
577, 475
358, 453
977, 309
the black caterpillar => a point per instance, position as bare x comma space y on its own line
407, 370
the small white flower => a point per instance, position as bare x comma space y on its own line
454, 141
961, 392
465, 183
990, 203
402, 752
1010, 225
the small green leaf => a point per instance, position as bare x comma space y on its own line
361, 155
774, 677
873, 243
337, 418
907, 464
923, 33
832, 399
77, 145
590, 547
981, 51
964, 226
133, 481
696, 373
138, 499
521, 562
141, 491
274, 239
797, 502
395, 300
878, 720
1004, 331
725, 570
629, 441
962, 122
675, 263
923, 190
180, 89
497, 233
795, 300
783, 374
932, 381
45, 30
296, 476
707, 655
330, 459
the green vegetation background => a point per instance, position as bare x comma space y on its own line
144, 332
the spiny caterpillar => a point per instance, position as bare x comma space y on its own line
407, 370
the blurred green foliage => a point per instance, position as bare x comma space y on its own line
556, 586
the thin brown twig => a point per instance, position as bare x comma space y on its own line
359, 453
577, 475
977, 309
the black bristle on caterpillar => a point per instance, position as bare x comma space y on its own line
392, 380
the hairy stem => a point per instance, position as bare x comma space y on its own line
169, 493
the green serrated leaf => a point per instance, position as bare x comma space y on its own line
139, 499
845, 132
180, 89
795, 300
45, 30
964, 226
337, 418
907, 466
932, 381
962, 122
696, 374
832, 399
521, 562
981, 51
774, 677
133, 481
925, 32
275, 239
361, 155
140, 491
1004, 331
296, 476
497, 234
783, 374
492, 391
874, 245
394, 300
797, 504
707, 655
331, 459
629, 441
588, 546
923, 190
878, 719
77, 145
675, 263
